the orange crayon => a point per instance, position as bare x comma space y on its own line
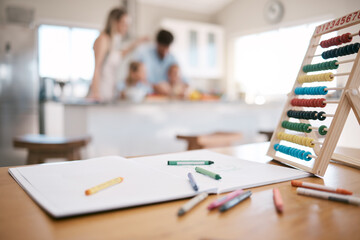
319, 187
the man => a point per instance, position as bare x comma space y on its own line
157, 60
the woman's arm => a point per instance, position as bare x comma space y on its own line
133, 45
101, 48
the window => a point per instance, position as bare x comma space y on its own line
266, 64
66, 53
193, 48
211, 58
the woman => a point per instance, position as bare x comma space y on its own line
108, 55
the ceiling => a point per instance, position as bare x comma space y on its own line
199, 6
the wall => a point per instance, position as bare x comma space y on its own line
86, 13
242, 17
150, 16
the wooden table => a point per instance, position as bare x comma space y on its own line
255, 218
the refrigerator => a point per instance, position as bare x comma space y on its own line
19, 90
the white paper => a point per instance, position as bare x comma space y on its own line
59, 188
235, 173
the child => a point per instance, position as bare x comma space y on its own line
136, 85
177, 87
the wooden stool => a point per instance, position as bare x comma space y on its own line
41, 147
218, 139
268, 134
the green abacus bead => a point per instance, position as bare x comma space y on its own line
321, 130
307, 129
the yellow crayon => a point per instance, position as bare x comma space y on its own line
103, 185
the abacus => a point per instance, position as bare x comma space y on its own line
296, 140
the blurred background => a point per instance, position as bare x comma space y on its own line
240, 57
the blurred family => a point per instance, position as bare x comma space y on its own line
153, 69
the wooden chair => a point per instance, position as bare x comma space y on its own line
41, 147
217, 139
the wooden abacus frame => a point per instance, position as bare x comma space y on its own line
350, 99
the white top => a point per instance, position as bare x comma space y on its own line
109, 70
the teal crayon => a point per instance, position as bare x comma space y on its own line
233, 202
208, 173
190, 162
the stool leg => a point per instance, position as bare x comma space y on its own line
70, 155
32, 158
77, 154
73, 154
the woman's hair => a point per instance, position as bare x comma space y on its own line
115, 15
133, 67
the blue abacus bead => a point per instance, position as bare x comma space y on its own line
324, 92
276, 146
306, 156
315, 91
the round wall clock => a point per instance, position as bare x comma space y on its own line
274, 11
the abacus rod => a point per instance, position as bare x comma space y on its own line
312, 156
316, 142
328, 115
316, 128
340, 74
345, 61
316, 55
334, 88
332, 101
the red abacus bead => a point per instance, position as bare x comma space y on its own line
322, 44
344, 38
293, 102
328, 43
348, 37
323, 103
338, 40
319, 102
313, 103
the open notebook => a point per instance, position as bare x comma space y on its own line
59, 187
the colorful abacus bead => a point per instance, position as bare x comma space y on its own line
315, 102
345, 38
314, 115
321, 66
300, 127
321, 116
311, 90
323, 77
342, 51
294, 152
305, 141
322, 130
